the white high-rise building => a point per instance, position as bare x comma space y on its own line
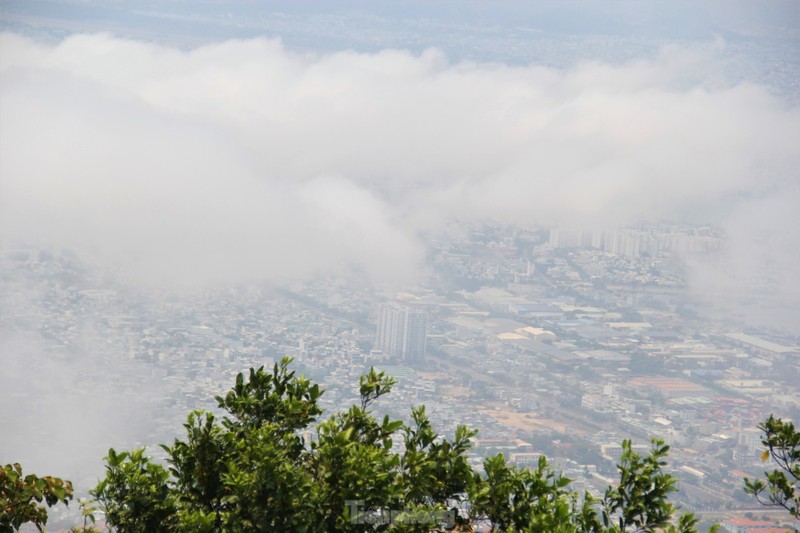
402, 332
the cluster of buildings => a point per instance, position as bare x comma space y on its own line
640, 242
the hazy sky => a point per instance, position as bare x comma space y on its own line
242, 159
225, 141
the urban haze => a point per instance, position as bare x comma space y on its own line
561, 223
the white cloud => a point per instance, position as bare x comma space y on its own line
241, 160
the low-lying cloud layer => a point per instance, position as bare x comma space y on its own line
241, 160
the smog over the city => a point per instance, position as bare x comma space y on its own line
587, 210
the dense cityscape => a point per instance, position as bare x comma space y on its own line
548, 341
568, 229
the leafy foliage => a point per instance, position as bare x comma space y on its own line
641, 500
135, 493
517, 500
268, 465
21, 497
781, 487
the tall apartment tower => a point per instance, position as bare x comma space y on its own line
402, 332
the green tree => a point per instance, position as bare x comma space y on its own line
351, 461
641, 500
135, 494
781, 486
21, 497
241, 473
515, 500
268, 464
